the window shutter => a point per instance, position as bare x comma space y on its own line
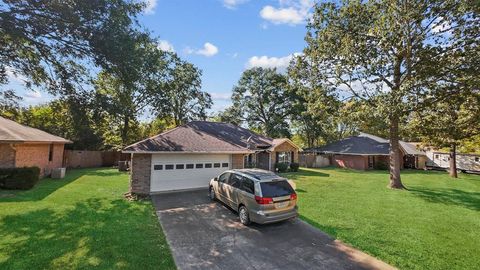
276, 157
292, 155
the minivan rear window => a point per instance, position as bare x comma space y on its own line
276, 189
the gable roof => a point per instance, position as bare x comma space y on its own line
13, 132
203, 137
363, 144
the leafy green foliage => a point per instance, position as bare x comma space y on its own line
392, 56
52, 42
294, 167
281, 166
262, 100
19, 178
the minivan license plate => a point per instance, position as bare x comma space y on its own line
281, 205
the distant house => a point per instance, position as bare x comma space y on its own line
441, 160
361, 152
188, 156
22, 146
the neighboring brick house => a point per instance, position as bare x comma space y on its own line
188, 156
363, 152
22, 146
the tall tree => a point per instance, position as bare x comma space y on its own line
180, 97
263, 101
387, 53
450, 122
52, 42
317, 114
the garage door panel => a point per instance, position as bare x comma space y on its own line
180, 177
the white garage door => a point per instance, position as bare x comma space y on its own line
185, 171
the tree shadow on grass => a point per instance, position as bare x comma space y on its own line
96, 233
47, 186
470, 200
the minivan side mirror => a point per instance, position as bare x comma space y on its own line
215, 179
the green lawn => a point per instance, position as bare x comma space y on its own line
434, 225
80, 222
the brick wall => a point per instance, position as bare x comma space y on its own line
284, 147
7, 156
350, 161
237, 161
28, 155
140, 174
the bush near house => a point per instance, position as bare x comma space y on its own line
281, 167
294, 167
19, 178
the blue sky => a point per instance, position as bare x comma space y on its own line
222, 38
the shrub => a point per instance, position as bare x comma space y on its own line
380, 166
281, 167
294, 167
19, 178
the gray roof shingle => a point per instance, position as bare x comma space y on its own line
13, 132
363, 144
203, 136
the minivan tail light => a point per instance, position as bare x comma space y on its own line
263, 200
293, 196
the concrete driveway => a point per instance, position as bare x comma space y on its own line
207, 235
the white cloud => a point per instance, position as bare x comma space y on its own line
232, 4
13, 76
150, 6
208, 50
164, 45
220, 96
290, 12
270, 62
33, 94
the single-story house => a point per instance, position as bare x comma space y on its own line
22, 146
188, 156
362, 152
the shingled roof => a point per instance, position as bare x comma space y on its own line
363, 144
13, 132
204, 137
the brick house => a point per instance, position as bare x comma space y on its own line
22, 146
362, 152
188, 156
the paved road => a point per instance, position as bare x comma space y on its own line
207, 235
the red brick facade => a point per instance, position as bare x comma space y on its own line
140, 173
284, 147
28, 155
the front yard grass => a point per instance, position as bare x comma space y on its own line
80, 222
433, 225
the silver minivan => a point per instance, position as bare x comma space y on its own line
258, 196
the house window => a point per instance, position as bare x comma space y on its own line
189, 166
199, 165
437, 156
284, 157
179, 166
224, 165
158, 167
216, 165
50, 152
208, 165
477, 158
169, 167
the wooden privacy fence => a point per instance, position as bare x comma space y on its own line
91, 159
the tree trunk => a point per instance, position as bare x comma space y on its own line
126, 126
453, 161
395, 163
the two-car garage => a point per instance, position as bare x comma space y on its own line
185, 171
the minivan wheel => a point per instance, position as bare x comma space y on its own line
243, 214
212, 194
